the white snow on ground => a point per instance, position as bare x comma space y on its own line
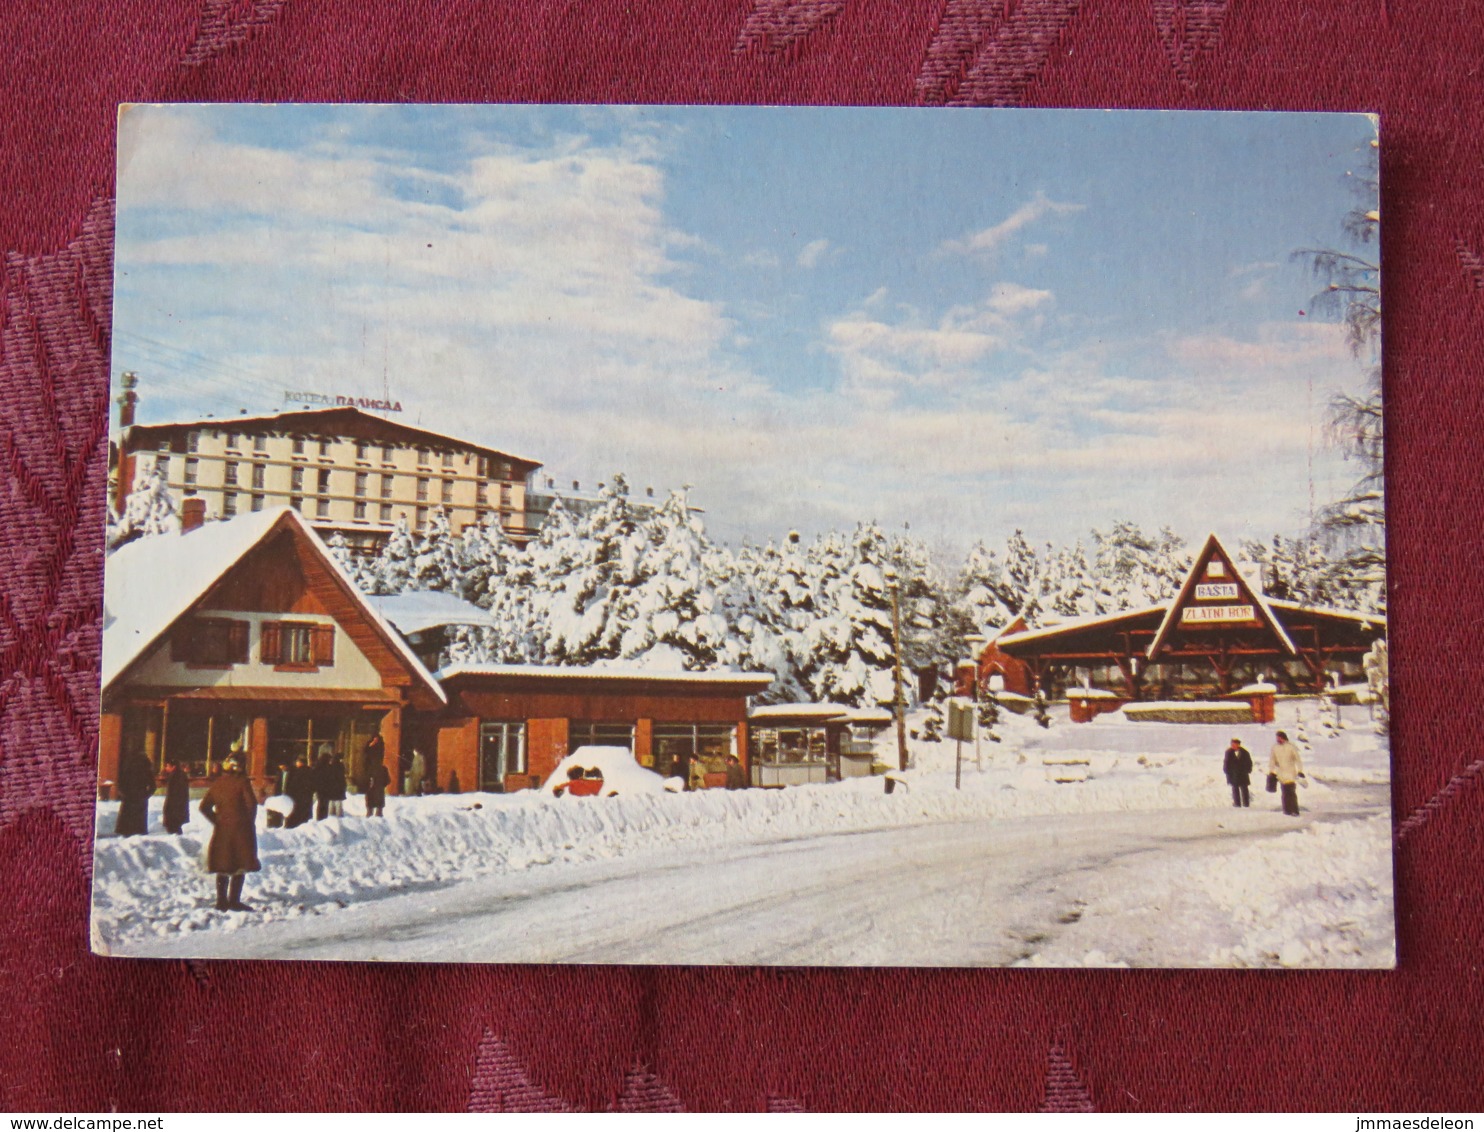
1316, 897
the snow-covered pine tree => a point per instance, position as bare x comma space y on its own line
750, 588
149, 510
1039, 711
854, 643
1021, 579
391, 573
978, 592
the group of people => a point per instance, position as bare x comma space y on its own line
1285, 770
230, 804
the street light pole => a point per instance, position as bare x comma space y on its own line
975, 641
896, 650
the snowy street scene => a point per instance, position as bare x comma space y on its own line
667, 535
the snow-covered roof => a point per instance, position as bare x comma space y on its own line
821, 712
151, 582
603, 672
1209, 550
1093, 694
417, 611
1080, 623
1376, 619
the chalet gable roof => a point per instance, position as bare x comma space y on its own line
151, 583
1213, 551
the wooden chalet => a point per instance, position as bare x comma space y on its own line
244, 637
1218, 634
506, 726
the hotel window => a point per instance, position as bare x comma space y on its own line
296, 479
190, 469
321, 508
260, 446
363, 450
386, 487
257, 476
387, 453
386, 512
481, 492
422, 488
164, 445
422, 518
324, 446
424, 456
323, 481
298, 446
361, 481
296, 502
447, 491
257, 502
229, 473
212, 642
584, 733
505, 497
448, 459
193, 441
229, 505
360, 512
298, 644
232, 439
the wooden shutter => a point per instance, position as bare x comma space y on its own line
271, 651
322, 645
237, 642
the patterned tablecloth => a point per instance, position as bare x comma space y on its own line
83, 1033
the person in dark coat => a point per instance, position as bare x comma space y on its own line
321, 778
136, 784
378, 778
177, 797
298, 784
736, 773
1237, 765
335, 787
231, 806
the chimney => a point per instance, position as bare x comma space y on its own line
192, 513
128, 399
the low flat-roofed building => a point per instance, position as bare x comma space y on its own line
506, 726
795, 744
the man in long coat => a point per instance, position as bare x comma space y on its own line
136, 784
298, 784
378, 778
1237, 766
177, 797
1289, 767
231, 805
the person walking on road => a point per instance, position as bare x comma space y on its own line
231, 805
1289, 768
1237, 765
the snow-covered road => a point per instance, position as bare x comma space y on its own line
1141, 888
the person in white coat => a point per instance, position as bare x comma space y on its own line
1286, 764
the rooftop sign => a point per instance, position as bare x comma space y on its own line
337, 401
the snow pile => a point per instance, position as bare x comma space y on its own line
621, 775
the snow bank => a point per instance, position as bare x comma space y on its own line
621, 774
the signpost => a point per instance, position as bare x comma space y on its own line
961, 726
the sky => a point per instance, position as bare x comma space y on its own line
955, 321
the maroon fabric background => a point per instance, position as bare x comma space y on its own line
84, 1033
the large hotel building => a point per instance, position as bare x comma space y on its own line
347, 471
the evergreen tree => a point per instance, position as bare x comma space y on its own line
391, 573
149, 510
436, 561
670, 614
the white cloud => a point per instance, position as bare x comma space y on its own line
815, 252
988, 241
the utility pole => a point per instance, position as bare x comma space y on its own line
896, 649
975, 641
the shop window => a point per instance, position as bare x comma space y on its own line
789, 746
201, 743
583, 733
303, 645
682, 748
210, 642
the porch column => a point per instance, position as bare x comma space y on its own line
257, 749
391, 735
110, 739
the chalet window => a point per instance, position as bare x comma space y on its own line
257, 477
296, 479
229, 473
362, 480
298, 446
191, 468
298, 644
422, 488
210, 642
324, 481
448, 491
386, 486
321, 508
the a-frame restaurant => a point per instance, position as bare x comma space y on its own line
1216, 635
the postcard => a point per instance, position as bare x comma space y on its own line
722, 535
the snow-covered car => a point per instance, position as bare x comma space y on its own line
612, 769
